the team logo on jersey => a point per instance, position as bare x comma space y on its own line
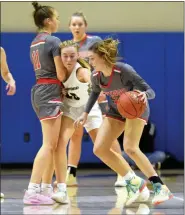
115, 94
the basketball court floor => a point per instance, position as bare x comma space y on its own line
94, 195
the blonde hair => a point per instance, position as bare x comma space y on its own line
106, 49
79, 14
81, 61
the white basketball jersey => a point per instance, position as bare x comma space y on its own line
77, 92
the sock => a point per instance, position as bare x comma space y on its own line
33, 187
62, 186
155, 179
129, 176
72, 170
45, 186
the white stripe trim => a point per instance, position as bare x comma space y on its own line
37, 44
54, 102
106, 101
95, 74
54, 117
115, 70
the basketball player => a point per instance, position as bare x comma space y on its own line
115, 78
78, 27
8, 78
45, 95
78, 89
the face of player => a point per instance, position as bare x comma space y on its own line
69, 57
77, 27
53, 23
96, 61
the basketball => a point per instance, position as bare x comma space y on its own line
130, 106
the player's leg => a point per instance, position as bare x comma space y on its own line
132, 135
60, 159
74, 153
50, 131
107, 134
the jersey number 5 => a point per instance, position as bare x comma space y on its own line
35, 59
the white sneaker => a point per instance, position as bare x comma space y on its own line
61, 197
122, 195
161, 193
144, 195
120, 182
47, 191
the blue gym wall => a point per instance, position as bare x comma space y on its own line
157, 57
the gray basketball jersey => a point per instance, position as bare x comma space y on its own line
43, 49
85, 44
122, 79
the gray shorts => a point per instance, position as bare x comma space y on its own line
94, 119
113, 113
46, 100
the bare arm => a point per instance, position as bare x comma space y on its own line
60, 69
5, 72
84, 75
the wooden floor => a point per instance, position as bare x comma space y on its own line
95, 194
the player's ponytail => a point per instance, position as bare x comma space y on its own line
84, 63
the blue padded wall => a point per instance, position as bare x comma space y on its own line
157, 57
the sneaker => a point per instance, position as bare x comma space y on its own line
134, 187
161, 193
71, 181
120, 182
2, 195
61, 196
122, 194
144, 195
36, 199
47, 191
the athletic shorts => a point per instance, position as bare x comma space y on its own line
94, 119
46, 100
113, 113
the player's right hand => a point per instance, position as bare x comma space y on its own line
11, 88
81, 120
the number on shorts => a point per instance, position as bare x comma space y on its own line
35, 59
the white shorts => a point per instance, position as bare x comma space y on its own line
94, 119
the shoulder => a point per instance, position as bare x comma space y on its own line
93, 39
94, 74
53, 40
124, 67
82, 71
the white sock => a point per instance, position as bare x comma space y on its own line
129, 176
34, 188
62, 186
45, 186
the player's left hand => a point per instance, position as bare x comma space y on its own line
11, 88
142, 96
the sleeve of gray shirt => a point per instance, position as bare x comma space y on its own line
54, 44
138, 82
96, 90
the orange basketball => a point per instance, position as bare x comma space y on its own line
130, 106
